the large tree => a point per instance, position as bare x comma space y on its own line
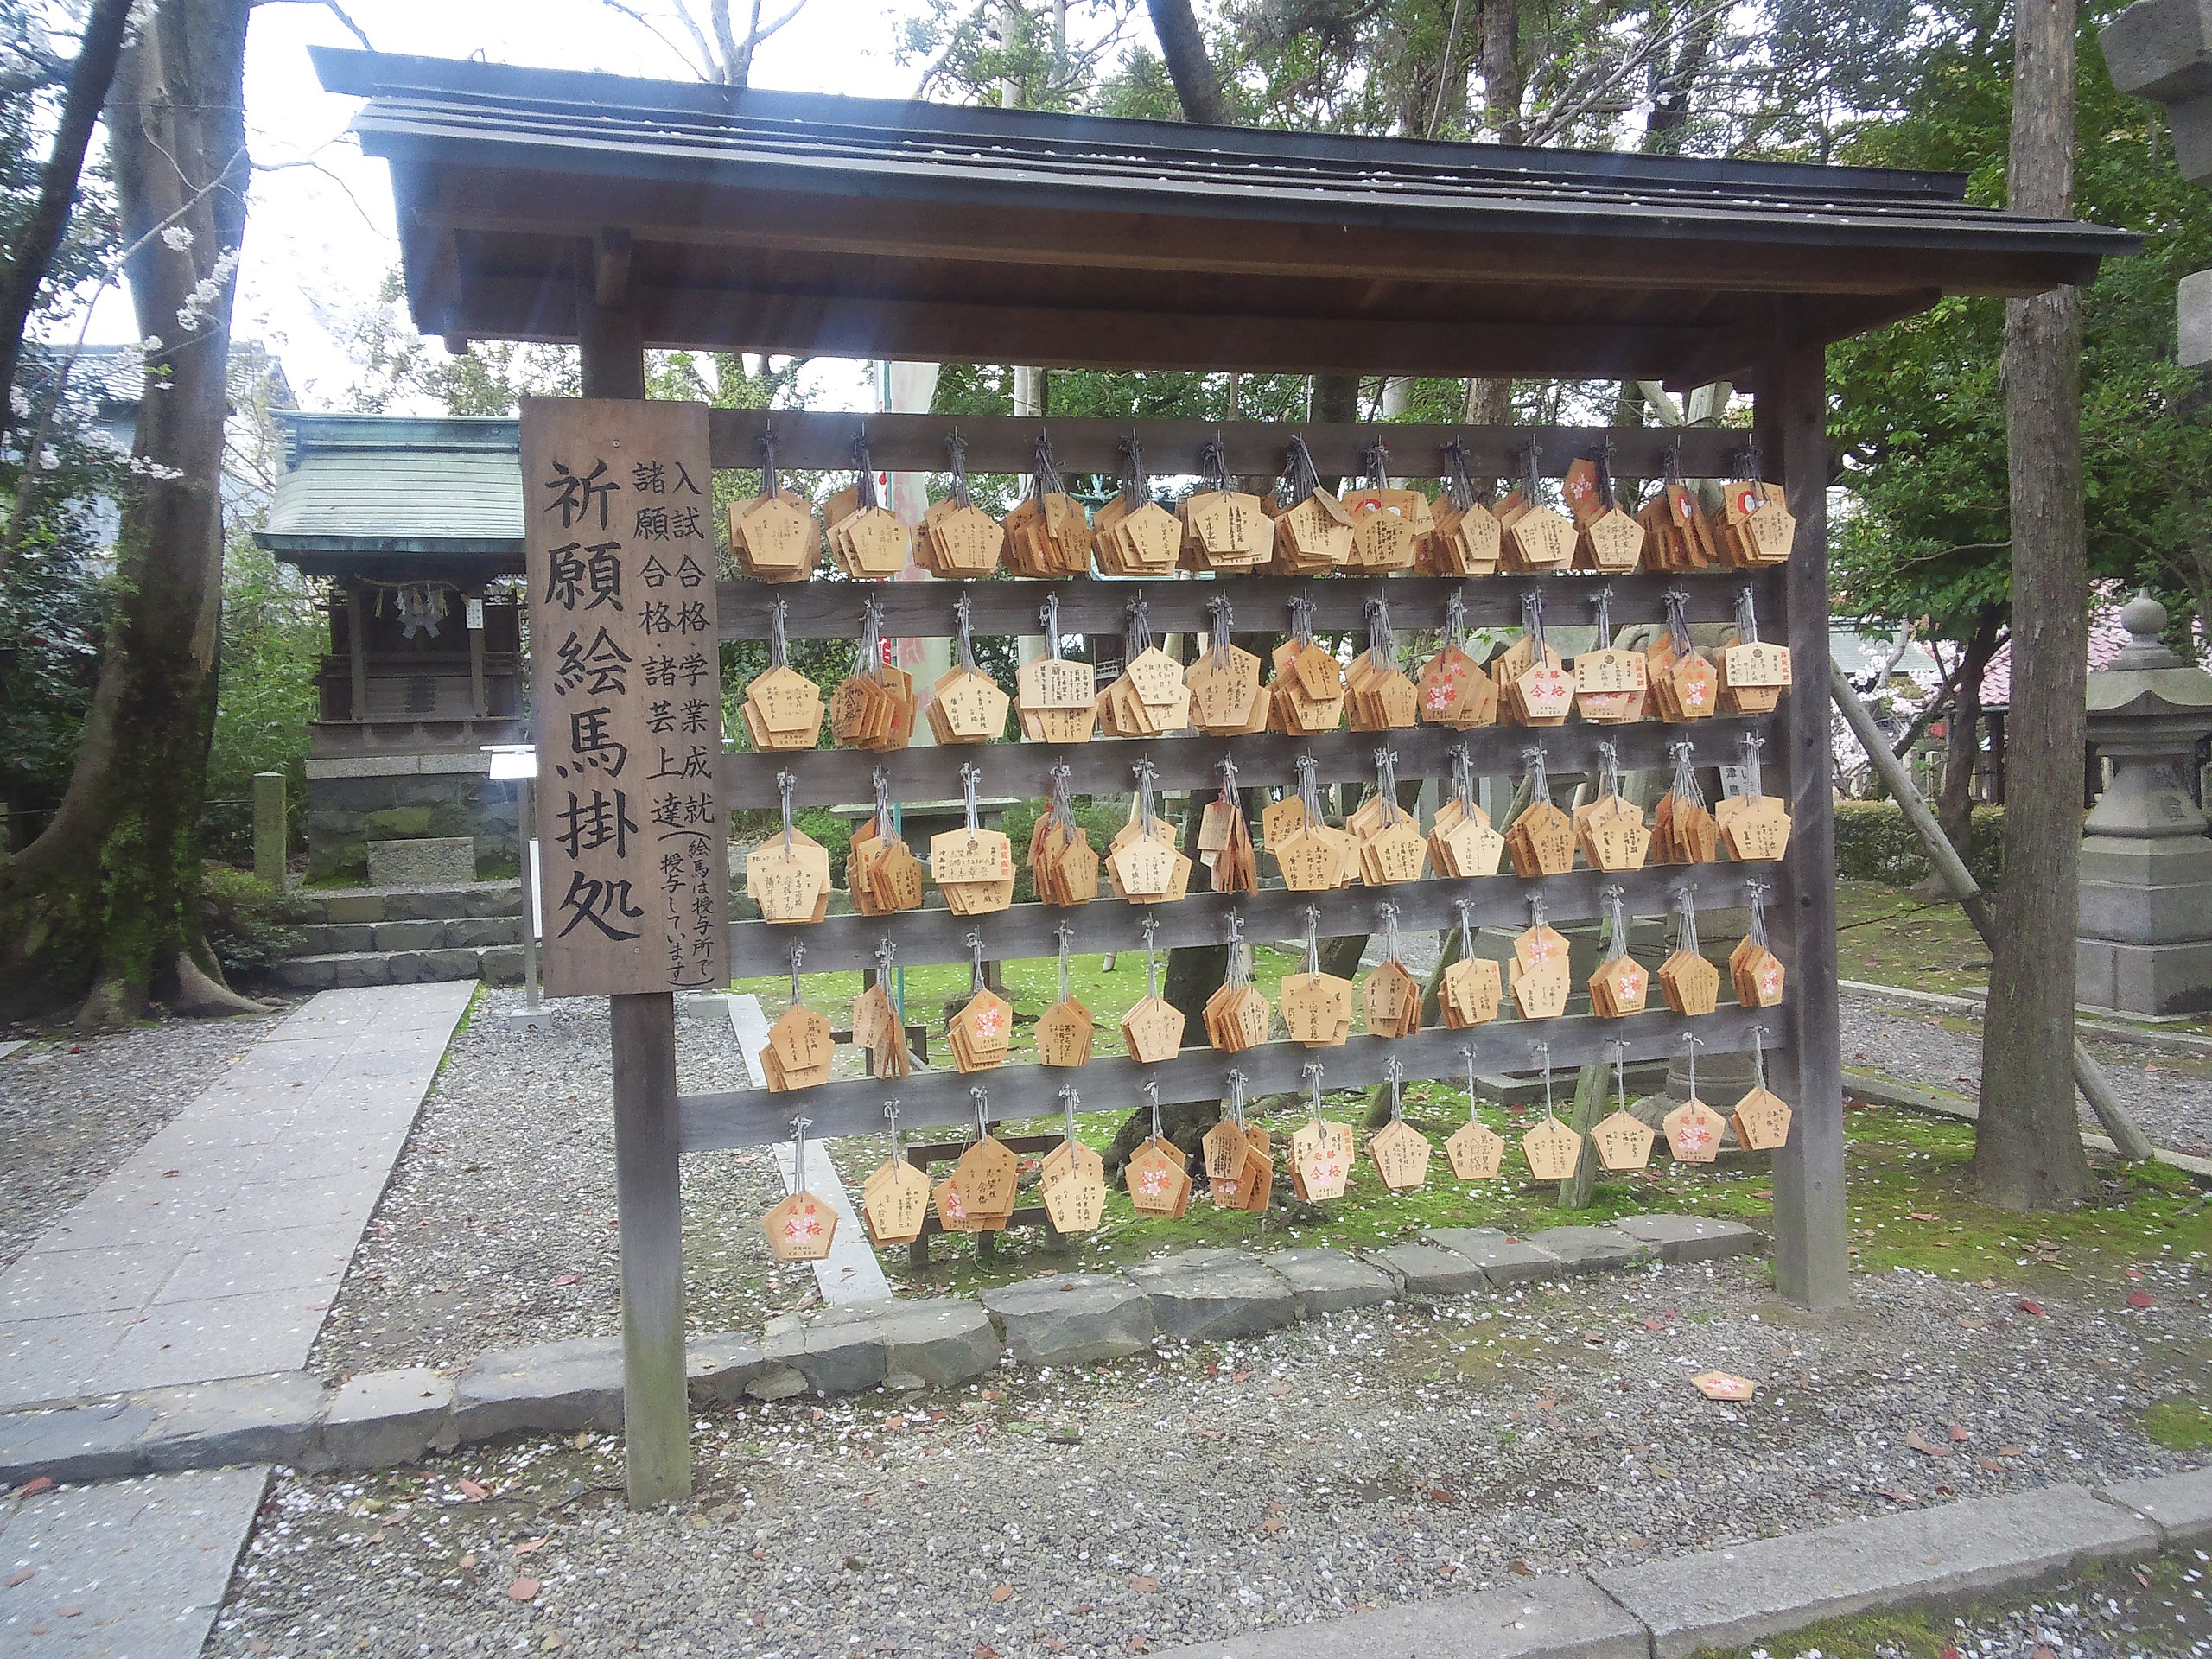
2028, 1144
106, 900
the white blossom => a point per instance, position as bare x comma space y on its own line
146, 467
178, 236
20, 401
151, 347
47, 460
204, 292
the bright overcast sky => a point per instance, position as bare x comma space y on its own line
318, 242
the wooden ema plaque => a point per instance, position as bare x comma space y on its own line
1223, 1150
1454, 690
1761, 1119
966, 706
882, 872
1553, 1150
1693, 1130
1154, 1031
981, 1033
1063, 867
1225, 694
874, 708
619, 547
1158, 1183
1754, 827
877, 1028
1542, 841
800, 1050
895, 1203
974, 870
1619, 988
1756, 974
1072, 1181
1316, 1009
1321, 1160
1253, 1183
1390, 1000
774, 536
1236, 1018
1611, 833
986, 1176
1401, 1154
1689, 982
789, 878
1476, 1152
1471, 993
1057, 701
782, 709
1063, 1033
1623, 1141
800, 1228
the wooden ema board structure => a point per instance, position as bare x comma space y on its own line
1480, 866
619, 547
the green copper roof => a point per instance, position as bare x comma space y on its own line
382, 488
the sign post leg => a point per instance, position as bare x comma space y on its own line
656, 1411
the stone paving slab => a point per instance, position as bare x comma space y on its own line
1552, 1618
2179, 1506
217, 1248
851, 1273
1727, 1598
1504, 1259
386, 1417
1691, 1238
1592, 1249
143, 1564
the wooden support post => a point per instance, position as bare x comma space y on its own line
648, 1175
357, 643
1812, 1259
478, 702
649, 1202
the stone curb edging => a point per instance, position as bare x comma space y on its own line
1673, 1608
382, 1418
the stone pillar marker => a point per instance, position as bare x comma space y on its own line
2143, 943
269, 837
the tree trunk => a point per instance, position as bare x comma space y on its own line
106, 900
89, 76
2027, 1143
1504, 79
1197, 83
1955, 797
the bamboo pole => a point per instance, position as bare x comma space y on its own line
2089, 1077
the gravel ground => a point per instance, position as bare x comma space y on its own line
1365, 1459
2171, 1094
71, 1111
498, 1227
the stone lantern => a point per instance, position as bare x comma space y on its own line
2143, 943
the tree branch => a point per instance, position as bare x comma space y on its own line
89, 78
335, 11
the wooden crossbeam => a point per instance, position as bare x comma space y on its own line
822, 441
749, 1117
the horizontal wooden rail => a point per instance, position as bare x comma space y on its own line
751, 1117
1106, 765
839, 943
831, 608
822, 441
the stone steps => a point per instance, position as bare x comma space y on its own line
496, 965
433, 904
458, 933
405, 935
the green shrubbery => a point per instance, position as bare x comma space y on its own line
1874, 843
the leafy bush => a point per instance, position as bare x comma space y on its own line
246, 921
1874, 843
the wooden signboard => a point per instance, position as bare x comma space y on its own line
619, 543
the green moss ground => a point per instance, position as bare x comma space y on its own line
2137, 1612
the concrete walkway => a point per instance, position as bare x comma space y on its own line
135, 1569
850, 1274
217, 1249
